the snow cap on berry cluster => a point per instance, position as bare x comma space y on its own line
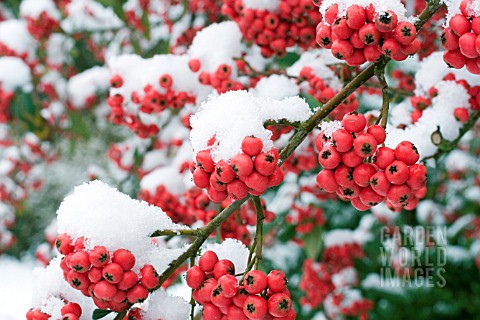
329, 127
453, 8
233, 250
161, 305
269, 5
14, 74
87, 84
440, 114
338, 237
318, 60
276, 87
89, 15
216, 44
106, 217
137, 73
395, 6
34, 8
49, 286
235, 115
14, 34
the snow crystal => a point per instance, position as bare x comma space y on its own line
14, 74
233, 250
379, 5
225, 38
104, 216
329, 127
346, 277
33, 9
338, 237
234, 115
89, 15
269, 5
87, 84
156, 307
14, 34
276, 87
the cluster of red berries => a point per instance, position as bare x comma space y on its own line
106, 277
221, 80
6, 98
43, 26
316, 283
360, 172
69, 311
462, 40
251, 171
345, 307
7, 238
341, 256
461, 113
323, 93
217, 289
152, 101
363, 34
274, 32
305, 219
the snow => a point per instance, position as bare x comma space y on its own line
87, 84
225, 37
380, 6
178, 308
107, 217
89, 15
329, 127
232, 250
234, 115
15, 74
269, 5
14, 34
16, 287
33, 9
338, 237
276, 87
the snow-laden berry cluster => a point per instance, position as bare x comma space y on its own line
360, 31
461, 37
361, 172
220, 293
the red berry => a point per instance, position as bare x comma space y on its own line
229, 285
105, 290
450, 39
255, 307
380, 183
384, 157
124, 258
356, 41
342, 49
217, 184
257, 182
277, 281
397, 172
116, 81
252, 146
204, 293
417, 178
461, 114
455, 59
349, 192
369, 197
459, 24
211, 312
242, 164
194, 65
405, 33
467, 45
331, 13
205, 161
166, 81
386, 21
72, 307
224, 171
357, 204
137, 293
354, 122
378, 133
266, 163
223, 267
326, 181
363, 173
324, 36
78, 280
80, 262
371, 53
218, 299
216, 196
342, 140
356, 16
201, 178
69, 316
344, 176
255, 282
112, 272
208, 261
399, 195
195, 277
237, 189
351, 159
369, 34
329, 157
95, 274
99, 256
276, 178
365, 145
406, 152
341, 30
120, 296
279, 305
235, 313
239, 299
357, 58
391, 48
149, 277
64, 244
129, 279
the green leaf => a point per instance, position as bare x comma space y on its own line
289, 59
79, 127
161, 47
313, 243
99, 313
313, 103
146, 24
117, 6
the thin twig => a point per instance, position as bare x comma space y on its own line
259, 230
382, 119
